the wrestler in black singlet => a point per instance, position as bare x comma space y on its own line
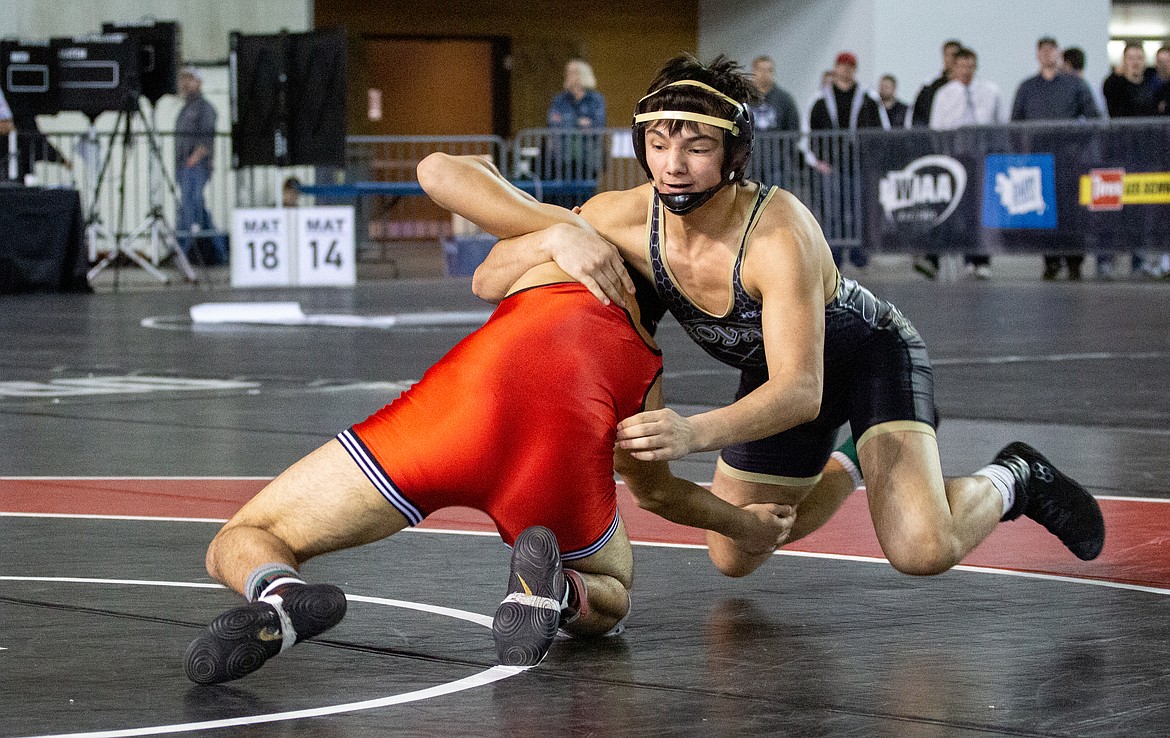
876, 369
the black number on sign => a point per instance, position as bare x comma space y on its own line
268, 255
332, 255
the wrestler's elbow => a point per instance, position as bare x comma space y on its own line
807, 399
486, 285
808, 408
430, 171
648, 482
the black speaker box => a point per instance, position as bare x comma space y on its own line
98, 73
28, 73
159, 43
288, 96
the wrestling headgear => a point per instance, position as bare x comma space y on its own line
737, 143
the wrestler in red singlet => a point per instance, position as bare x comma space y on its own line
518, 420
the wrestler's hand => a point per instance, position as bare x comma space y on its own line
594, 262
773, 524
658, 435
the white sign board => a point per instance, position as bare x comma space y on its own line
282, 247
261, 254
325, 246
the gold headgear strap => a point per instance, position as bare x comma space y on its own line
686, 115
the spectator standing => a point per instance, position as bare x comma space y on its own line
579, 105
1130, 91
927, 264
31, 146
194, 154
920, 116
6, 127
897, 111
1074, 64
967, 101
579, 108
1053, 95
843, 105
6, 124
777, 109
1161, 80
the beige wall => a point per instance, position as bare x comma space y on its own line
624, 41
205, 23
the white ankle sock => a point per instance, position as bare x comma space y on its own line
1003, 480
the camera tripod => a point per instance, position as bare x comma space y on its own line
154, 228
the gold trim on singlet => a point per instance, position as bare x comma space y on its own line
747, 229
894, 426
757, 478
838, 283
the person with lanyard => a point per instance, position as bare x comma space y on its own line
746, 271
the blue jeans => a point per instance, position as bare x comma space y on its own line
193, 215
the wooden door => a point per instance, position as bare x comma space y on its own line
430, 87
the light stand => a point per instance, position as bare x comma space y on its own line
154, 227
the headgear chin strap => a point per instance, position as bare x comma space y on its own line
684, 202
737, 144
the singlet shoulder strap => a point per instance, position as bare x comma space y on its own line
763, 197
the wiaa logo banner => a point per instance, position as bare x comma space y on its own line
927, 191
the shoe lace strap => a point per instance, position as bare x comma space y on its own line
1018, 467
288, 634
544, 603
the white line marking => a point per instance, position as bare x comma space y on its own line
488, 676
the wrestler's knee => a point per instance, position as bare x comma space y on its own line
920, 549
731, 560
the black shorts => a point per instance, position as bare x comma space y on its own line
877, 377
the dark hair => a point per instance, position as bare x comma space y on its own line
891, 78
722, 74
1046, 41
952, 42
1075, 58
966, 53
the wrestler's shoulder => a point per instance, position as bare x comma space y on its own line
618, 207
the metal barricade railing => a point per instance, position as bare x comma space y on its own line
387, 218
122, 178
575, 165
833, 196
569, 167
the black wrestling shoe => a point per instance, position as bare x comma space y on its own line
527, 620
239, 641
1050, 498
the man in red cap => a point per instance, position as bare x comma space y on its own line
843, 105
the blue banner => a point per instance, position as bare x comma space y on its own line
1071, 187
